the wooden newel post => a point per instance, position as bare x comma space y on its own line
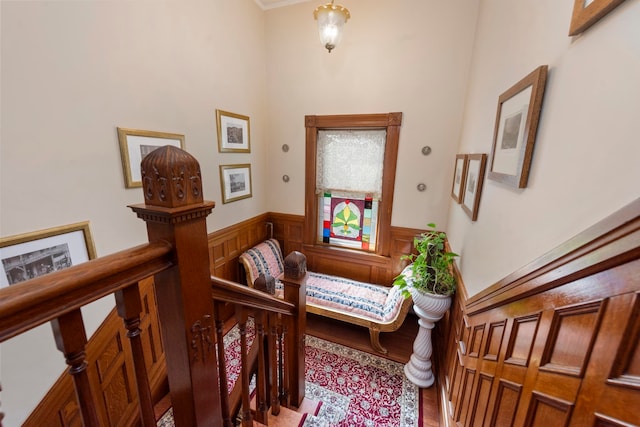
295, 291
175, 211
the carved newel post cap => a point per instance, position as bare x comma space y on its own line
171, 178
265, 284
295, 265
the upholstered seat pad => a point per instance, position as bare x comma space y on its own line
376, 303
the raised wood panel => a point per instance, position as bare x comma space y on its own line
483, 394
494, 340
572, 334
476, 341
506, 405
468, 378
118, 396
523, 332
561, 341
546, 411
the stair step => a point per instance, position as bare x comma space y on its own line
288, 417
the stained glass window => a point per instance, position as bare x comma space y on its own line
349, 186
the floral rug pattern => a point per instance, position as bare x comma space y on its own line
355, 388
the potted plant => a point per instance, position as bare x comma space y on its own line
430, 281
431, 268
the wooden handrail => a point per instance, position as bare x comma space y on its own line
31, 303
227, 291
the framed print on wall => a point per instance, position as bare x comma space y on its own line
473, 184
588, 12
136, 144
235, 181
30, 255
233, 132
459, 176
515, 129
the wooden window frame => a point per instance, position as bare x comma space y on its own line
389, 121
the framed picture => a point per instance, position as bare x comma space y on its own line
473, 184
233, 132
235, 181
136, 144
30, 255
588, 12
459, 177
515, 129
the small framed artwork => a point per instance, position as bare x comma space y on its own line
588, 12
233, 132
473, 184
30, 255
136, 144
459, 176
235, 181
515, 129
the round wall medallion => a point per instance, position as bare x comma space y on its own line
285, 178
285, 147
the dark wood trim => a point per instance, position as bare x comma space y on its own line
549, 337
610, 242
389, 121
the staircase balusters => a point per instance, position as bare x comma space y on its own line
129, 309
222, 366
241, 316
71, 340
273, 358
283, 362
262, 407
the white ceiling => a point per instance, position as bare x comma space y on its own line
272, 4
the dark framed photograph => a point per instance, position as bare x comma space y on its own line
515, 129
473, 184
235, 181
588, 12
459, 177
30, 255
135, 144
233, 132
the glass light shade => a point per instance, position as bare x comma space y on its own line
331, 19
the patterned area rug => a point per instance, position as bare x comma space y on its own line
355, 388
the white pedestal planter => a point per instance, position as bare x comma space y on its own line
430, 308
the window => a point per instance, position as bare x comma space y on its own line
351, 163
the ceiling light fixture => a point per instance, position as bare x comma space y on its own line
331, 19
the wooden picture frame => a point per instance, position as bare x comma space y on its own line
234, 132
588, 12
475, 168
459, 177
29, 255
135, 144
515, 129
235, 182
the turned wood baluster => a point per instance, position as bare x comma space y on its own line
71, 340
283, 362
273, 364
294, 281
129, 309
222, 367
261, 377
241, 316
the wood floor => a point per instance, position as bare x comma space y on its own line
398, 343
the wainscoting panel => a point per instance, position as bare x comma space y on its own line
556, 343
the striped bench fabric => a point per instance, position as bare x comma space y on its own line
377, 307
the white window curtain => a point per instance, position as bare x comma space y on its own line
350, 161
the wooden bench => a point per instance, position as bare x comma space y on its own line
376, 307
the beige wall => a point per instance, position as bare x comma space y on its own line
585, 163
71, 73
411, 56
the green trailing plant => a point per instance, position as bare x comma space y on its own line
430, 265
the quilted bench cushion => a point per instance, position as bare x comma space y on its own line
377, 303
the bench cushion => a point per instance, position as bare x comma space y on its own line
376, 303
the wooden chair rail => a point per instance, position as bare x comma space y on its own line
31, 303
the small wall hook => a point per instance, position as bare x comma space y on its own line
421, 187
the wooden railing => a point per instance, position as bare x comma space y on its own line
177, 258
